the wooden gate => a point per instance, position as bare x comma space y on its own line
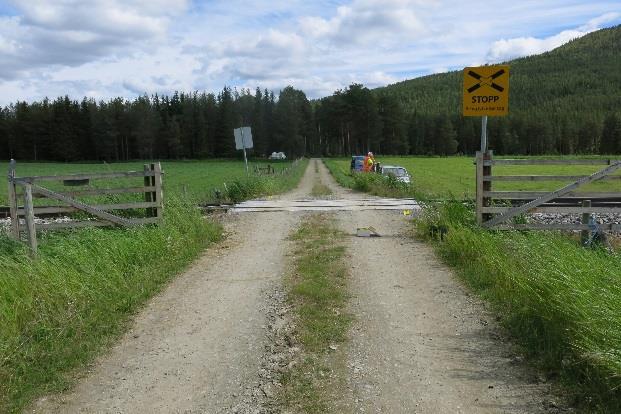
29, 188
497, 209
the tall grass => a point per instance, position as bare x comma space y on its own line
57, 312
371, 183
252, 186
560, 301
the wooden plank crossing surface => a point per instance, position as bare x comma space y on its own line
326, 205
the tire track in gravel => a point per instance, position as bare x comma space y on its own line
421, 343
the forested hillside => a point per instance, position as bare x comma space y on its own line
562, 102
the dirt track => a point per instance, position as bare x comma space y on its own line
420, 343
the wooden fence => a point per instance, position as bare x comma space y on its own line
28, 188
497, 209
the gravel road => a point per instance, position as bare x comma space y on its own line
197, 347
420, 343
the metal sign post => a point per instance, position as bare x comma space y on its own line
484, 133
244, 148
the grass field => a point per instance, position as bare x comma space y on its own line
59, 311
199, 178
454, 177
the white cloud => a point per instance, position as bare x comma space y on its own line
107, 48
72, 32
600, 21
506, 49
365, 21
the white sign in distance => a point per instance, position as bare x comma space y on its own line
243, 138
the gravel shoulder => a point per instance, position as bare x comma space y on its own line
421, 343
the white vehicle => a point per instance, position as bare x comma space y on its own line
278, 156
400, 173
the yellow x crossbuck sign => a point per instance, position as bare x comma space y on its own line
486, 90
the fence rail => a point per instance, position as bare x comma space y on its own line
536, 161
497, 208
29, 188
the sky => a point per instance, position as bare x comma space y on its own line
109, 48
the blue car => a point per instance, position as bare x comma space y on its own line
357, 162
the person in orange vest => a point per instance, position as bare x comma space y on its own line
369, 160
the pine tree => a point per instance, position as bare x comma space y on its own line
467, 137
224, 139
445, 143
173, 133
211, 119
5, 153
394, 138
611, 135
258, 124
147, 124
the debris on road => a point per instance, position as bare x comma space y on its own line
367, 232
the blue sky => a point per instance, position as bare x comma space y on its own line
108, 48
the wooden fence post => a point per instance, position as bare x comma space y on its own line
159, 192
148, 194
13, 202
487, 185
586, 219
479, 189
30, 220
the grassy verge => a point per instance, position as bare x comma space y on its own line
252, 186
560, 301
375, 184
59, 311
317, 290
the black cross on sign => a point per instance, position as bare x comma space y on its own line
483, 80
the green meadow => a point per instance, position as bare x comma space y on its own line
454, 177
196, 179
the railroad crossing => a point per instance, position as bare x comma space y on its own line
403, 204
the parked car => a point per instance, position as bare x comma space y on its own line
400, 173
357, 162
278, 156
